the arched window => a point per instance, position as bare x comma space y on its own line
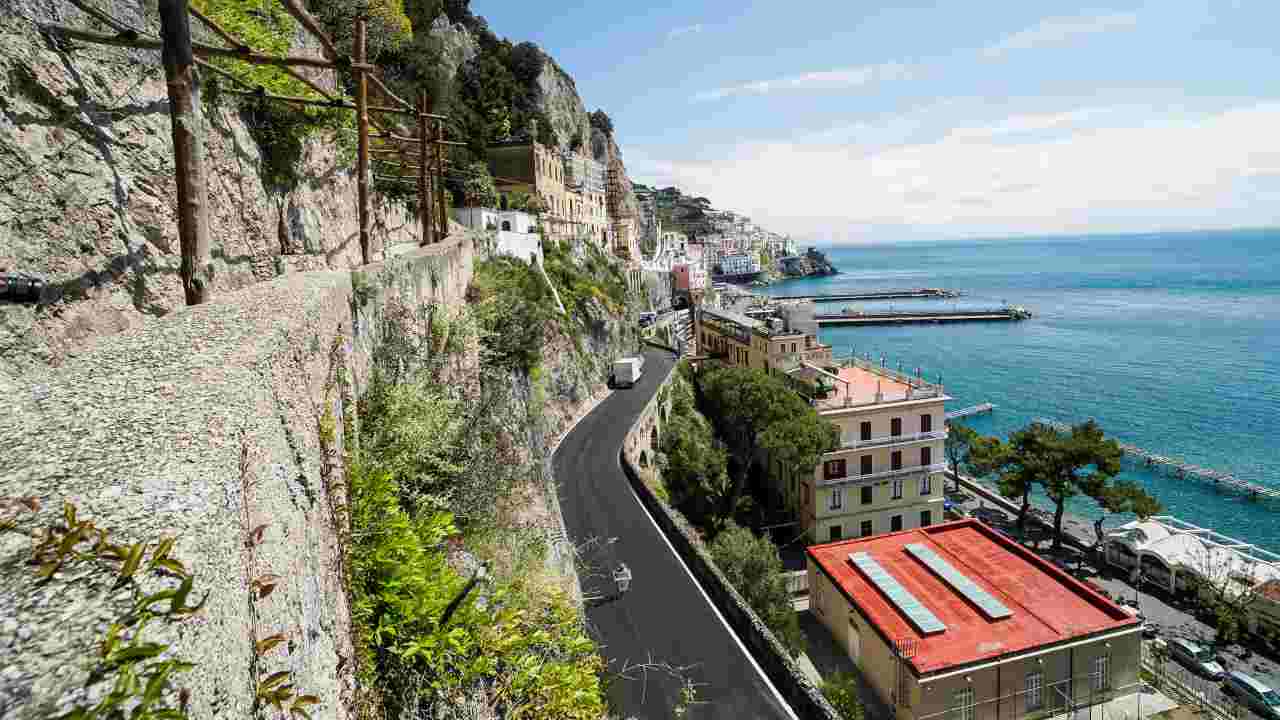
506, 224
653, 438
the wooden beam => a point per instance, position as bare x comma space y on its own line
308, 21
241, 47
131, 40
292, 99
438, 134
362, 156
102, 17
404, 106
187, 128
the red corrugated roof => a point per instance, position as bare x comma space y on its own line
1049, 606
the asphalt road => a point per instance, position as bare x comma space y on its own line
663, 617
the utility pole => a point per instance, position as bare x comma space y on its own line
187, 125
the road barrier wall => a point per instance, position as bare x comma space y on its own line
805, 698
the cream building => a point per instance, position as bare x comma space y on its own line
956, 622
887, 473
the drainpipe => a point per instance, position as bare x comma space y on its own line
999, 674
1071, 683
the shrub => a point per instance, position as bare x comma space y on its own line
841, 690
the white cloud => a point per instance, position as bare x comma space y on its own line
1128, 174
838, 79
1059, 31
674, 33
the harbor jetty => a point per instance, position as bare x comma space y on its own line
904, 317
979, 409
1179, 468
918, 293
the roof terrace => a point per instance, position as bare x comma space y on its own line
859, 382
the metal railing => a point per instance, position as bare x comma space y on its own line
913, 470
798, 582
892, 439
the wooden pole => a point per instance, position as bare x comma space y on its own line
425, 216
187, 127
362, 159
439, 174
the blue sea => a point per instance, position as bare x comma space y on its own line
1170, 341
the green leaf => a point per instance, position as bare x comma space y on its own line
133, 559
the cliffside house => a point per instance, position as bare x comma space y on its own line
956, 622
774, 343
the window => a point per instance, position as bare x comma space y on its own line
926, 518
926, 456
835, 532
895, 523
866, 494
926, 484
895, 460
897, 488
964, 703
895, 427
1035, 691
837, 498
866, 431
866, 465
1101, 672
833, 469
866, 528
926, 423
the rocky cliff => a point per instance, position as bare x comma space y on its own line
87, 194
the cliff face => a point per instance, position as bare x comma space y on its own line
87, 198
558, 97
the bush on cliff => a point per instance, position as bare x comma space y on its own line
753, 567
694, 470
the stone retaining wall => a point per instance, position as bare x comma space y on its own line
202, 426
803, 696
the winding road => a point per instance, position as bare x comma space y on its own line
664, 616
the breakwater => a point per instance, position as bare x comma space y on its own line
899, 318
918, 293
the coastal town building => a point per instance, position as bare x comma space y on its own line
570, 184
689, 277
887, 473
775, 343
956, 622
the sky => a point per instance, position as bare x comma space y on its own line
859, 122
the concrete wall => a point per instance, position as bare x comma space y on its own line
805, 698
202, 426
520, 245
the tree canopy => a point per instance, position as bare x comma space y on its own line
960, 441
754, 410
602, 122
753, 567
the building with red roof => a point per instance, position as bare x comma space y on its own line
957, 621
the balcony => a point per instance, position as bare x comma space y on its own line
893, 440
885, 474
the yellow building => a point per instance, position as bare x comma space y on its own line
771, 344
570, 184
956, 622
888, 472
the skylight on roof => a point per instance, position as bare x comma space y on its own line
991, 607
919, 615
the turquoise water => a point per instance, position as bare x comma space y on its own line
1171, 341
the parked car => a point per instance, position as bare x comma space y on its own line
1195, 658
1260, 698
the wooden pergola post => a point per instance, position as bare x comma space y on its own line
425, 216
436, 137
362, 123
187, 125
